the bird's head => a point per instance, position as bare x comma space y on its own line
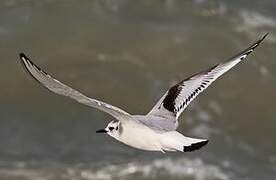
112, 129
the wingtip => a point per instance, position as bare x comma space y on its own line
22, 55
264, 36
256, 44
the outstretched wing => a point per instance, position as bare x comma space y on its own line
57, 87
178, 97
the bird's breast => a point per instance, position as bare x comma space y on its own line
139, 136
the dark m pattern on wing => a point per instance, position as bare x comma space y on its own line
173, 93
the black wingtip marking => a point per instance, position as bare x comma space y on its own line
23, 59
259, 41
22, 55
264, 36
195, 146
256, 44
248, 50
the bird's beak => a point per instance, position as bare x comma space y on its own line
101, 131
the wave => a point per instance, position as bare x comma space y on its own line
182, 168
178, 168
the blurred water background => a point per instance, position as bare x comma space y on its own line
128, 53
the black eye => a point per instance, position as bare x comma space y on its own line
117, 128
111, 128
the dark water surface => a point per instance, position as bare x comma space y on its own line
128, 53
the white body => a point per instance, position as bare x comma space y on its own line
139, 136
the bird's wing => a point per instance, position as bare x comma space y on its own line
57, 87
178, 97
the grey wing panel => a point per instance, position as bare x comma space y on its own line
157, 123
59, 88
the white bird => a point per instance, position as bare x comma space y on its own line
155, 131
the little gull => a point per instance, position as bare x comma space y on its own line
155, 131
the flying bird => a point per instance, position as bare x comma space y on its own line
157, 130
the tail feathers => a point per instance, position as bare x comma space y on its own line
174, 141
195, 146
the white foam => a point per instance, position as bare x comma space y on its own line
180, 168
255, 19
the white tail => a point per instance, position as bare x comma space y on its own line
174, 141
